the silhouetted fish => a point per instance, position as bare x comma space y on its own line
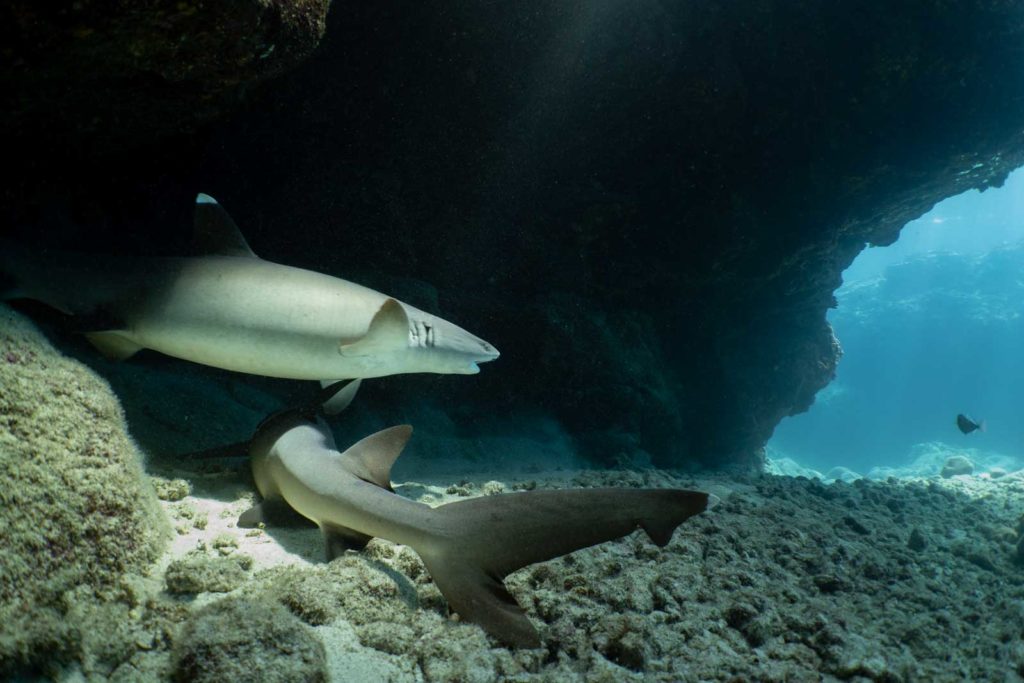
967, 425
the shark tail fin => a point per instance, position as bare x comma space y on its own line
482, 540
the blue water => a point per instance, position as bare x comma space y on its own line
930, 326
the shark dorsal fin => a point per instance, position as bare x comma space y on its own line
389, 331
371, 458
215, 232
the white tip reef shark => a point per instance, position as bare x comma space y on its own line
227, 308
468, 546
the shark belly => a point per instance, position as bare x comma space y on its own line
257, 317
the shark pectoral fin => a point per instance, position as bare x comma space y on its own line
214, 231
251, 518
338, 539
335, 398
371, 458
273, 513
480, 598
113, 345
389, 331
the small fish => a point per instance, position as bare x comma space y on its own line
967, 425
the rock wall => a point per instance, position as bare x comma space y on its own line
79, 517
646, 208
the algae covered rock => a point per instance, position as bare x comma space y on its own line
198, 572
957, 464
240, 639
75, 507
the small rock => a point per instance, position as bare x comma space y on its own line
957, 464
827, 583
493, 487
242, 639
199, 573
225, 543
854, 524
982, 560
463, 488
171, 489
996, 472
917, 541
842, 474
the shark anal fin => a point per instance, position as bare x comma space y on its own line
482, 599
371, 458
338, 539
389, 331
113, 345
215, 232
273, 513
337, 394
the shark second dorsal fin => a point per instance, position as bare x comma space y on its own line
215, 232
371, 458
389, 331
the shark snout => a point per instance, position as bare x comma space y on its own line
482, 353
488, 352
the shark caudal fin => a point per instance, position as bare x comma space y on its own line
482, 540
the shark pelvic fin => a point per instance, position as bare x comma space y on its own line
389, 331
215, 231
371, 458
481, 598
113, 345
273, 513
338, 539
335, 398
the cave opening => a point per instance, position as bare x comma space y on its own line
931, 327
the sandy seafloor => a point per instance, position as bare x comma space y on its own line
787, 579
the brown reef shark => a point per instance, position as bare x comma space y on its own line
468, 546
230, 309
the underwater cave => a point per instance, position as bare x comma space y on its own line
657, 211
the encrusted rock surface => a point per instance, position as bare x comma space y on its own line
77, 515
94, 74
240, 639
